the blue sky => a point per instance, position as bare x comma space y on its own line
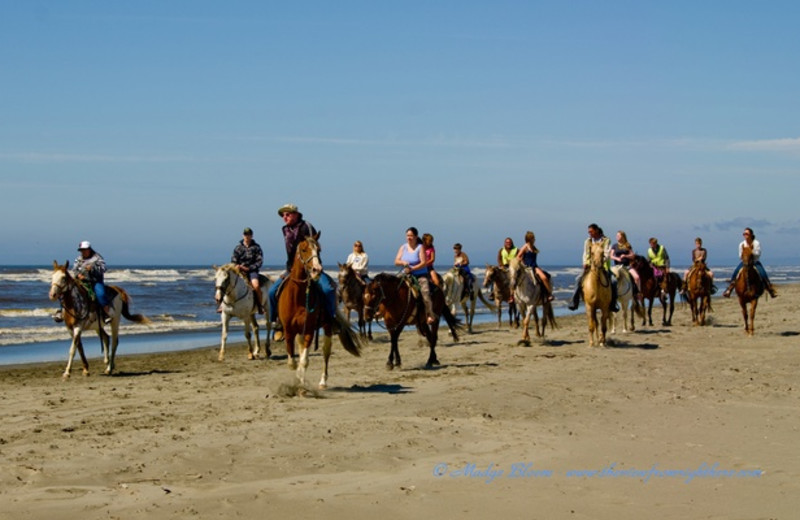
158, 130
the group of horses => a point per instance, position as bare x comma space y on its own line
397, 302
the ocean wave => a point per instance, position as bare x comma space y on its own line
29, 335
26, 313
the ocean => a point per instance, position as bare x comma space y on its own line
179, 301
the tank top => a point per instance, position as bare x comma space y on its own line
413, 257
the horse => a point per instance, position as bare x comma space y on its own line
529, 293
351, 294
498, 276
392, 298
234, 295
653, 288
301, 311
749, 288
81, 313
625, 299
698, 285
596, 287
455, 291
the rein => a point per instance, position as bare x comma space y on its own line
401, 322
67, 294
226, 291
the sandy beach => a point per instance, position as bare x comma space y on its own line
667, 422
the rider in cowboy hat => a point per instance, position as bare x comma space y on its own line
295, 230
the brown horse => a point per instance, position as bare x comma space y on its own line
81, 313
663, 287
596, 288
351, 293
390, 297
749, 288
502, 293
301, 311
698, 285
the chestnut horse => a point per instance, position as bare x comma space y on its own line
698, 285
596, 286
80, 313
390, 297
749, 288
502, 293
351, 293
301, 310
662, 288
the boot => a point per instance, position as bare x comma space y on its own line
576, 299
771, 290
58, 316
727, 293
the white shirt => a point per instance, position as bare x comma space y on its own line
756, 249
359, 262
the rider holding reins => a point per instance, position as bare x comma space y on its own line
249, 257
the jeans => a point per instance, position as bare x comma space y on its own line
324, 283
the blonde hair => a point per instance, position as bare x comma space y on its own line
623, 240
530, 238
427, 239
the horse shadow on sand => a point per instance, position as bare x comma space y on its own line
376, 388
623, 344
123, 373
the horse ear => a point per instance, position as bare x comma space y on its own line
317, 235
339, 264
214, 267
55, 265
66, 264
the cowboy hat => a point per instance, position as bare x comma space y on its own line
287, 208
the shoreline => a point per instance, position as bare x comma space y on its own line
584, 433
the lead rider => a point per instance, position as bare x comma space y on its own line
295, 230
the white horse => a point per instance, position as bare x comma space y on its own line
80, 314
454, 291
528, 293
234, 295
625, 299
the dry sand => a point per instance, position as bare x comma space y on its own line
182, 435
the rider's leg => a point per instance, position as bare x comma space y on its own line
763, 273
728, 291
102, 301
613, 279
576, 296
256, 285
326, 284
425, 291
546, 282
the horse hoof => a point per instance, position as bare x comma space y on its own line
250, 356
269, 353
65, 375
389, 366
221, 358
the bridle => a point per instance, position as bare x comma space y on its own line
226, 288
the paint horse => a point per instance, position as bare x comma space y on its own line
497, 277
81, 313
301, 310
351, 294
529, 293
455, 291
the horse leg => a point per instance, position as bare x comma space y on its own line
526, 337
223, 340
536, 321
592, 318
73, 346
111, 364
394, 350
326, 356
433, 335
604, 315
289, 339
753, 306
303, 364
254, 324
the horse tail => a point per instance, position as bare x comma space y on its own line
348, 337
548, 315
452, 322
489, 304
136, 318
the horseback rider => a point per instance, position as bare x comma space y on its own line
699, 255
411, 258
528, 255
622, 253
90, 267
430, 257
506, 253
248, 257
295, 230
359, 261
596, 236
755, 245
461, 262
659, 259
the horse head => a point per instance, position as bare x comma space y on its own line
515, 269
375, 295
345, 272
747, 256
489, 275
308, 254
60, 280
222, 280
597, 255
